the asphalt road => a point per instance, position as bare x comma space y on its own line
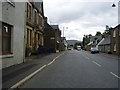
78, 69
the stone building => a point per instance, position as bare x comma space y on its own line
105, 44
49, 36
34, 26
115, 40
58, 41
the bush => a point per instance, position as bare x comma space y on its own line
28, 50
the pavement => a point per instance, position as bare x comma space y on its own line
16, 73
117, 57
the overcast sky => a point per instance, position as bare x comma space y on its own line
81, 17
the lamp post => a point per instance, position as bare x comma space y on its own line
113, 5
64, 30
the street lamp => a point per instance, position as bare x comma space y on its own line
113, 5
64, 29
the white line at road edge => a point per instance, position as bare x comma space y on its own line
25, 79
55, 59
32, 74
96, 63
114, 75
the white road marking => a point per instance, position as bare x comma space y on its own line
114, 75
26, 78
87, 57
55, 59
32, 74
96, 63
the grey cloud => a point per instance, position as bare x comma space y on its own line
83, 14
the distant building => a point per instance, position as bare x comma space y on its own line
58, 42
94, 40
65, 43
49, 36
71, 43
104, 45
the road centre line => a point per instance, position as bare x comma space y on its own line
96, 63
114, 75
87, 57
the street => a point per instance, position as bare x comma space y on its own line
78, 69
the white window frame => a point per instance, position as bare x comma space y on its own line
115, 47
114, 33
11, 2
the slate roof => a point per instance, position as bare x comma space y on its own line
90, 43
55, 26
106, 41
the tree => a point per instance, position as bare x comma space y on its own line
77, 44
98, 33
107, 32
86, 40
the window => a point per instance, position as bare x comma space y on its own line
6, 38
114, 33
40, 20
30, 37
35, 16
115, 47
119, 32
39, 39
29, 11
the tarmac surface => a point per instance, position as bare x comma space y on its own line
13, 74
79, 69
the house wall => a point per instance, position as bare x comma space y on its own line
49, 37
115, 41
34, 28
0, 45
104, 48
14, 16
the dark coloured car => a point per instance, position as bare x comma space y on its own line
94, 50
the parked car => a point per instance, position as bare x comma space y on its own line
69, 49
94, 50
78, 49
